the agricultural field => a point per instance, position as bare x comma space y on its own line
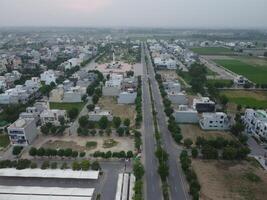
212, 51
223, 180
67, 106
253, 99
255, 69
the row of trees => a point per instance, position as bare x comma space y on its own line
94, 88
138, 103
54, 152
109, 154
50, 129
139, 171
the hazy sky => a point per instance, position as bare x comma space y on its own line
138, 13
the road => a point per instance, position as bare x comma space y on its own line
175, 179
152, 179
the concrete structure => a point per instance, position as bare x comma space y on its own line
214, 121
97, 114
186, 115
52, 116
127, 97
125, 187
48, 77
172, 86
178, 98
22, 132
164, 63
240, 80
256, 122
113, 85
203, 104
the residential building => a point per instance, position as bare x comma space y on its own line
48, 77
186, 115
22, 132
97, 114
177, 98
113, 85
127, 97
214, 121
203, 104
256, 122
165, 63
52, 116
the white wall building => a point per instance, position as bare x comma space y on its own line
163, 63
256, 122
113, 85
185, 115
22, 132
178, 98
214, 121
52, 116
97, 114
48, 77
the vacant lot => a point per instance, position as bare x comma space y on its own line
67, 106
193, 131
225, 180
168, 74
253, 99
122, 111
252, 68
212, 50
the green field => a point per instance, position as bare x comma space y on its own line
220, 82
67, 106
212, 51
252, 99
4, 140
255, 73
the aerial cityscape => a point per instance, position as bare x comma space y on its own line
133, 100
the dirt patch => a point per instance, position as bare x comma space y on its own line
58, 144
109, 143
223, 180
168, 74
122, 111
193, 131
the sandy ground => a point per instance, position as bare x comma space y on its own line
168, 74
193, 131
122, 111
225, 180
78, 143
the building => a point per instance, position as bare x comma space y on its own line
165, 63
127, 97
16, 95
185, 115
203, 104
255, 122
172, 86
113, 85
22, 132
74, 94
214, 121
177, 98
240, 80
52, 116
48, 77
97, 114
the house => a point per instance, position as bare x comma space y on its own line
172, 86
48, 77
22, 132
214, 121
203, 104
177, 98
240, 80
16, 95
165, 63
185, 115
127, 97
113, 85
97, 114
255, 122
52, 116
32, 85
74, 94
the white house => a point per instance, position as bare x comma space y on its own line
48, 77
256, 122
214, 121
74, 94
22, 132
52, 116
165, 63
178, 98
172, 86
185, 115
113, 85
97, 114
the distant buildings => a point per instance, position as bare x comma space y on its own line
256, 122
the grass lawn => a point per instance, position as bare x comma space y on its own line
223, 180
91, 144
223, 82
254, 72
67, 106
212, 50
4, 140
253, 99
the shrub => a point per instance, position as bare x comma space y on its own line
16, 150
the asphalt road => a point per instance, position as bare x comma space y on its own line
152, 180
175, 179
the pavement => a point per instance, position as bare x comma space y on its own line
152, 179
176, 179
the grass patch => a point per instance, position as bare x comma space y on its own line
212, 50
252, 177
4, 140
252, 99
255, 73
109, 143
91, 144
220, 82
67, 106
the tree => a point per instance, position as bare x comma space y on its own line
95, 99
129, 154
163, 170
194, 152
73, 113
116, 122
103, 122
33, 165
188, 142
68, 152
82, 154
84, 98
33, 151
76, 166
91, 107
45, 165
224, 100
95, 165
229, 153
40, 152
120, 131
138, 170
61, 120
83, 121
85, 165
126, 122
53, 165
74, 154
90, 90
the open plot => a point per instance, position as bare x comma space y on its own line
168, 74
223, 180
254, 72
119, 110
193, 131
253, 99
67, 106
212, 50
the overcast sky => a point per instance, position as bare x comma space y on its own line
136, 13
